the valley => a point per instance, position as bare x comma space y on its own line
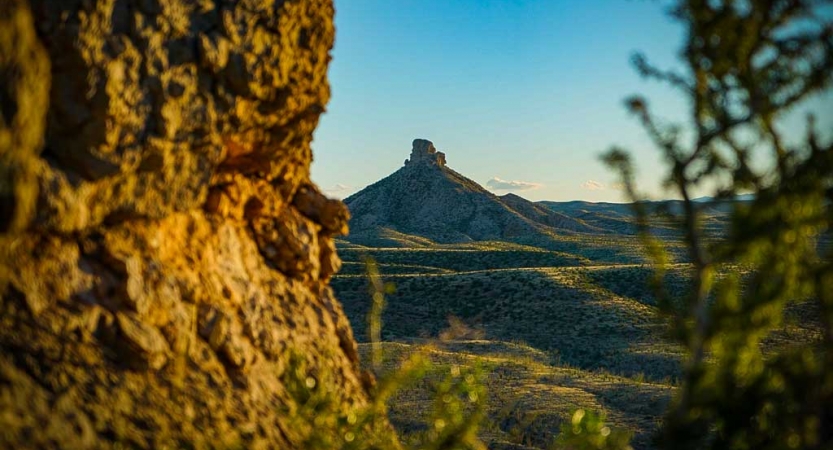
556, 331
551, 299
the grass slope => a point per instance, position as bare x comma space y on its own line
560, 329
528, 398
557, 310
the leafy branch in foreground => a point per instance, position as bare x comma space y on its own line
459, 395
587, 431
377, 290
748, 65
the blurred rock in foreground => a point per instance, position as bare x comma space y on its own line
164, 257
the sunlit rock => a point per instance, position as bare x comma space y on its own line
162, 249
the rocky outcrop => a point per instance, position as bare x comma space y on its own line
164, 257
423, 152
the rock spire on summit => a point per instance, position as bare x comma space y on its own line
424, 152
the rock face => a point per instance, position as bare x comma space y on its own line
426, 198
424, 152
164, 257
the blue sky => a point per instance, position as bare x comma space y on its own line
519, 90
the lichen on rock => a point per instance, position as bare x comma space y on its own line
162, 248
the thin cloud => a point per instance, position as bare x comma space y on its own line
337, 190
514, 185
592, 185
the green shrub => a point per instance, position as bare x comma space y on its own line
748, 64
587, 431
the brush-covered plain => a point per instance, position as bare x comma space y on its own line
556, 329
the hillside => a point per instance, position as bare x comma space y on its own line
619, 218
425, 203
549, 217
528, 398
426, 198
554, 332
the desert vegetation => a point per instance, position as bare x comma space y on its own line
551, 339
171, 277
724, 306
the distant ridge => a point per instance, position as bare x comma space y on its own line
546, 216
426, 199
620, 218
